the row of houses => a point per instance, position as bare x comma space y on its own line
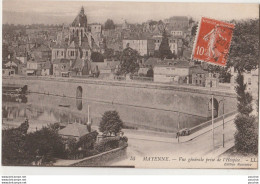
184, 72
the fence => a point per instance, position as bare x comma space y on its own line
207, 123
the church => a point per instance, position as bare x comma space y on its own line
71, 55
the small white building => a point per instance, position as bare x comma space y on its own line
177, 72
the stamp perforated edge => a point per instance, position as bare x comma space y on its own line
196, 39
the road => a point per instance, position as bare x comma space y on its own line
199, 146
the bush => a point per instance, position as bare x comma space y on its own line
97, 57
107, 144
125, 139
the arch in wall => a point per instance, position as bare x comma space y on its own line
215, 107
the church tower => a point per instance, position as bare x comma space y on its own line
79, 26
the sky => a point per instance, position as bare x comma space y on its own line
57, 12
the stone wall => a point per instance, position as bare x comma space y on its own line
102, 159
143, 104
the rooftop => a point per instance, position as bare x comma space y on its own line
80, 20
74, 129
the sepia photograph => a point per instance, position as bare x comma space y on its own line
130, 84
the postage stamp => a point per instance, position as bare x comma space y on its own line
213, 41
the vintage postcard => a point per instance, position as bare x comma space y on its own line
130, 84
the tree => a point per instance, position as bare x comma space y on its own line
194, 30
22, 148
110, 123
244, 50
129, 62
244, 56
109, 53
45, 143
246, 136
109, 24
97, 57
164, 49
13, 151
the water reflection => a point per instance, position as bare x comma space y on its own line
45, 109
14, 98
15, 109
79, 104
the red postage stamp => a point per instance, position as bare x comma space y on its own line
213, 41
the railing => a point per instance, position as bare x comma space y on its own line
208, 123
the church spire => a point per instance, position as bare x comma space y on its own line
82, 10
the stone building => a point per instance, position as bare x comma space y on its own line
177, 22
176, 72
142, 46
82, 41
199, 77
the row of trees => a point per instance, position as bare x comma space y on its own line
22, 148
244, 56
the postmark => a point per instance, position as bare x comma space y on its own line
213, 41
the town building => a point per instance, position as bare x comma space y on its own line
212, 80
8, 71
199, 77
175, 72
15, 65
145, 47
68, 55
177, 33
95, 29
34, 67
84, 138
61, 67
47, 69
176, 22
250, 79
42, 51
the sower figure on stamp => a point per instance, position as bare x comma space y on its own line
212, 36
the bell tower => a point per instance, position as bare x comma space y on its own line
78, 27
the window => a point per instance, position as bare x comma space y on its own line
71, 53
61, 53
249, 81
